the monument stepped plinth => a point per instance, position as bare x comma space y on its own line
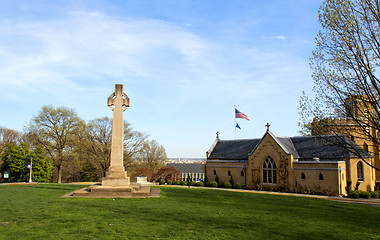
116, 183
131, 191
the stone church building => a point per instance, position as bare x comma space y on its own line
305, 161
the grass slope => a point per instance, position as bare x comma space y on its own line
38, 212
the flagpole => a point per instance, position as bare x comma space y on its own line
235, 121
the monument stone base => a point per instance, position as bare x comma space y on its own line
115, 176
116, 184
130, 191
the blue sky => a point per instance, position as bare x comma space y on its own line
184, 64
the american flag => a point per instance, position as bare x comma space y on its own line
239, 114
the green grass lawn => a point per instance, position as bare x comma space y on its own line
38, 212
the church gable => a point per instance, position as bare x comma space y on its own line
279, 144
270, 162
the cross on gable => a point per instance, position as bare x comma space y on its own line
268, 125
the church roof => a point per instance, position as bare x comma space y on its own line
327, 148
302, 148
233, 149
188, 167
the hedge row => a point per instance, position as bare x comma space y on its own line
294, 189
201, 184
223, 185
183, 183
363, 194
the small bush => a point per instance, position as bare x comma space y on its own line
364, 194
268, 188
217, 179
176, 182
375, 194
169, 182
183, 183
201, 184
162, 182
238, 186
354, 194
193, 183
258, 187
213, 184
377, 186
227, 185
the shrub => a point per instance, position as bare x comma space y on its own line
169, 182
375, 194
183, 183
217, 179
162, 182
232, 182
193, 183
377, 186
238, 185
354, 194
176, 182
364, 194
268, 188
227, 185
201, 184
213, 184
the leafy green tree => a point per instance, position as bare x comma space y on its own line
42, 167
56, 130
16, 158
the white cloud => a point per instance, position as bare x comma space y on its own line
280, 37
86, 46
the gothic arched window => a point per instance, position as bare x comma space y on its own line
303, 177
321, 177
359, 167
269, 171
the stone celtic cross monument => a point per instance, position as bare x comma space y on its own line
116, 183
115, 174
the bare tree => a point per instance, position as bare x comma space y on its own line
152, 156
167, 173
97, 141
344, 64
8, 136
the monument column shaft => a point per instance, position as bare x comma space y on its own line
118, 102
117, 147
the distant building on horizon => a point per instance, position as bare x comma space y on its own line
189, 171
